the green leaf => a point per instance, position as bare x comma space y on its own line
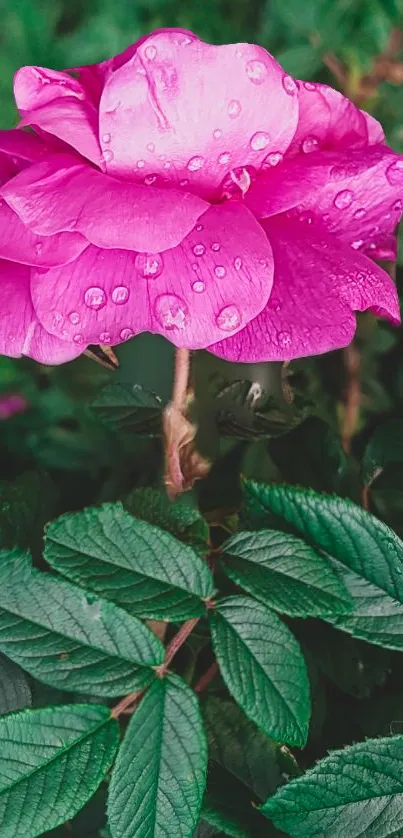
263, 667
243, 750
284, 573
51, 762
385, 446
180, 518
204, 830
301, 60
68, 638
355, 792
228, 806
158, 781
137, 565
15, 693
128, 409
21, 510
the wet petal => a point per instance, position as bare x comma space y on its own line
60, 195
22, 145
328, 120
192, 112
318, 284
18, 244
209, 286
57, 103
21, 332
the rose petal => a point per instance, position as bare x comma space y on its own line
22, 145
327, 120
56, 103
18, 244
318, 283
21, 332
209, 286
191, 112
61, 195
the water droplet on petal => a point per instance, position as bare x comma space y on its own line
199, 250
224, 158
273, 159
140, 164
150, 52
234, 108
149, 265
359, 213
220, 271
126, 334
199, 227
150, 147
108, 155
171, 311
105, 337
343, 199
183, 182
215, 246
95, 297
398, 205
106, 138
310, 144
284, 338
120, 295
259, 141
57, 318
150, 179
217, 133
357, 244
290, 85
198, 287
195, 163
228, 318
306, 216
237, 263
309, 86
78, 338
256, 71
394, 173
74, 318
38, 248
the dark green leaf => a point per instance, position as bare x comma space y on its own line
263, 667
158, 781
228, 806
180, 518
355, 792
15, 693
129, 409
68, 638
385, 446
285, 573
204, 830
51, 762
139, 566
21, 510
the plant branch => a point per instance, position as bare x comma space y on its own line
353, 396
125, 703
177, 641
181, 378
207, 678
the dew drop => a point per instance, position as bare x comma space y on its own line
38, 248
105, 337
359, 213
256, 71
150, 179
198, 287
78, 338
309, 86
74, 318
95, 297
183, 182
220, 271
357, 244
149, 265
120, 295
150, 52
224, 158
234, 108
238, 263
171, 311
398, 205
57, 318
259, 141
273, 159
126, 334
215, 246
106, 138
343, 199
217, 133
394, 173
195, 163
167, 165
140, 164
306, 217
290, 85
284, 338
228, 318
310, 144
108, 155
150, 147
199, 250
199, 227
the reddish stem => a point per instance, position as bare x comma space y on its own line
177, 641
207, 678
125, 703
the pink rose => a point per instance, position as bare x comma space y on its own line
194, 191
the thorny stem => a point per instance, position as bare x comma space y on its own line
181, 378
207, 678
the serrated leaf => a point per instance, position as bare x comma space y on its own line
263, 667
68, 638
51, 762
129, 409
284, 573
137, 565
355, 792
180, 518
15, 693
385, 446
158, 781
